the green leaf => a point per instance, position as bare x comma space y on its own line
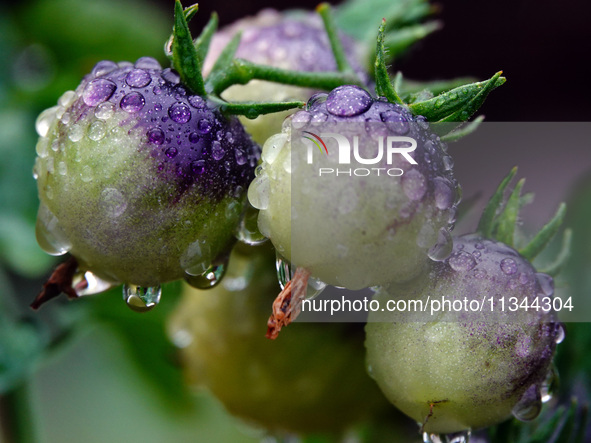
486, 223
463, 131
254, 109
459, 103
546, 234
504, 229
383, 86
333, 37
398, 42
409, 87
202, 42
184, 55
556, 266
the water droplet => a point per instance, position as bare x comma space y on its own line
86, 174
171, 152
67, 99
103, 67
156, 136
479, 273
560, 333
179, 113
193, 137
62, 168
258, 192
241, 158
524, 278
546, 283
314, 288
141, 299
171, 76
247, 231
300, 119
98, 91
273, 147
138, 78
444, 194
210, 278
443, 248
113, 203
89, 284
422, 121
217, 151
461, 261
104, 111
549, 384
50, 235
196, 259
147, 63
196, 101
76, 132
508, 266
414, 184
395, 122
347, 101
529, 405
479, 246
448, 163
96, 131
132, 102
284, 271
42, 147
204, 126
316, 100
198, 167
45, 120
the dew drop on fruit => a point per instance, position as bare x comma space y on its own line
141, 299
98, 91
316, 99
283, 268
443, 248
147, 63
549, 384
247, 230
67, 99
196, 101
194, 137
241, 158
171, 152
208, 279
546, 283
138, 78
42, 147
258, 192
179, 113
395, 122
273, 147
62, 168
132, 102
104, 111
204, 126
45, 120
103, 67
86, 174
560, 333
97, 131
508, 266
171, 76
113, 203
347, 101
529, 405
76, 132
300, 119
217, 151
195, 260
444, 193
86, 283
156, 136
50, 235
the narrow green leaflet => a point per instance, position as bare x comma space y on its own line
333, 37
254, 109
383, 86
223, 67
546, 234
486, 223
184, 55
504, 226
457, 104
463, 131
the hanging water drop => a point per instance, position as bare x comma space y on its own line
89, 284
210, 278
284, 271
560, 333
549, 384
247, 230
443, 248
529, 405
50, 235
141, 299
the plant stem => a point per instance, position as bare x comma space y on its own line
17, 422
